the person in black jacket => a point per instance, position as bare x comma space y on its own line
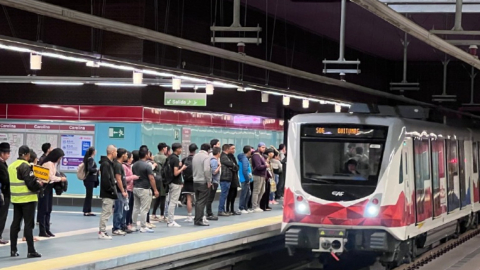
91, 181
232, 192
5, 189
108, 191
226, 178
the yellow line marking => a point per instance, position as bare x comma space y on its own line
121, 251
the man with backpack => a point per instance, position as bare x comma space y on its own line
172, 175
187, 174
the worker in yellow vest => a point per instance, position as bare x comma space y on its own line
24, 189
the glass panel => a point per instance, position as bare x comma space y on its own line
452, 176
464, 198
475, 157
438, 171
422, 173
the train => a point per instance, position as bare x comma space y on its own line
384, 185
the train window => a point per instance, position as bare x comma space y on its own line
438, 172
475, 157
453, 194
422, 173
461, 176
400, 171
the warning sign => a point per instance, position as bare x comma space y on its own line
41, 173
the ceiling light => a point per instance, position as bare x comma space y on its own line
121, 67
186, 78
323, 102
185, 85
286, 100
137, 77
241, 89
35, 61
156, 73
63, 57
305, 103
119, 84
93, 64
56, 83
176, 84
225, 85
14, 48
338, 108
209, 89
264, 97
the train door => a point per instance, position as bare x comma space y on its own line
453, 191
476, 188
438, 177
409, 180
422, 179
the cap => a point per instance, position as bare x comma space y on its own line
23, 150
4, 147
261, 144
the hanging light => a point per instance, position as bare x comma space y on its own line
338, 108
35, 61
241, 89
209, 89
137, 77
93, 64
176, 83
323, 102
286, 100
264, 97
305, 103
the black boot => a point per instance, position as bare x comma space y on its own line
50, 233
34, 255
14, 254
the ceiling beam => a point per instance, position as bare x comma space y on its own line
73, 16
413, 29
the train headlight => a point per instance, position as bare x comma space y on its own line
372, 209
301, 206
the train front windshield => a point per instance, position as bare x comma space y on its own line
341, 159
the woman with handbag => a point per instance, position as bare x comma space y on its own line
264, 203
277, 169
91, 180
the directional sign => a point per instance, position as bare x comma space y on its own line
185, 99
116, 132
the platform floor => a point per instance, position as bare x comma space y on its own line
76, 245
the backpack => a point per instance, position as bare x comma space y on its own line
167, 172
81, 175
188, 172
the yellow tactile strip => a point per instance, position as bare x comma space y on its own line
120, 251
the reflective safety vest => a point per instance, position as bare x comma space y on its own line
19, 191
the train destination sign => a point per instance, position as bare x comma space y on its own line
185, 99
343, 131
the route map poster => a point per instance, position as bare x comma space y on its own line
15, 140
75, 147
35, 142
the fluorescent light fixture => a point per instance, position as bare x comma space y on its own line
323, 102
209, 89
14, 48
119, 84
56, 83
137, 77
241, 89
249, 89
63, 57
338, 108
224, 85
121, 67
35, 61
192, 79
185, 85
156, 73
305, 103
176, 83
93, 64
286, 100
264, 97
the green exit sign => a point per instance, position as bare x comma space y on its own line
116, 132
185, 99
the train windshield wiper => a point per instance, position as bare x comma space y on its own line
318, 178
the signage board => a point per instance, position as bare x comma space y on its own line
116, 132
41, 173
185, 99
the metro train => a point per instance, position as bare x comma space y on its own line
378, 185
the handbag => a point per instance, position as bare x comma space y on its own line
273, 185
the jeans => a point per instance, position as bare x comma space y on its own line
25, 211
87, 203
129, 213
173, 196
258, 190
201, 193
119, 215
45, 210
211, 198
224, 187
141, 205
4, 214
244, 195
272, 194
107, 211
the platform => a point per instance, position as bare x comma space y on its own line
76, 245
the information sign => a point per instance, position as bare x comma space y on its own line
74, 147
116, 132
185, 99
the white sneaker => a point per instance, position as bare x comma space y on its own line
134, 228
205, 220
173, 225
257, 210
250, 210
189, 219
104, 236
119, 233
146, 230
150, 225
244, 212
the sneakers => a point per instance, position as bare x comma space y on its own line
244, 211
154, 218
273, 202
150, 225
250, 210
119, 233
104, 236
257, 210
205, 220
134, 229
146, 230
212, 217
189, 219
224, 214
173, 225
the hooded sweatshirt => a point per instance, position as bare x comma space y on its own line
108, 183
245, 171
259, 167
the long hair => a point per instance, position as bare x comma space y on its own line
88, 154
54, 156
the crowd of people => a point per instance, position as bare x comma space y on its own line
130, 181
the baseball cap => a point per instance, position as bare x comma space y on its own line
4, 147
23, 150
261, 144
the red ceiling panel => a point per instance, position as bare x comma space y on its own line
43, 112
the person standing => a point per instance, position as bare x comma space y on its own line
122, 195
175, 183
46, 149
23, 189
259, 173
277, 170
108, 190
142, 191
202, 178
5, 187
245, 178
130, 178
215, 168
45, 203
232, 192
264, 202
187, 174
91, 180
282, 148
226, 177
160, 159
